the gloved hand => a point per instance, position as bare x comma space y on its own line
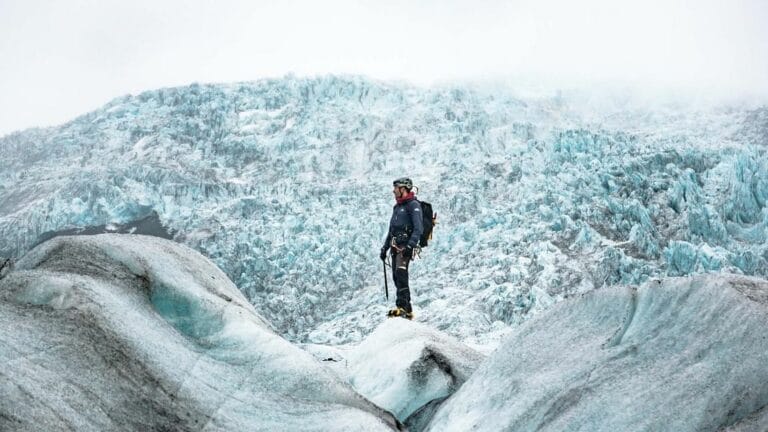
383, 254
408, 252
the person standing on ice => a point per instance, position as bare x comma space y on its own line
405, 229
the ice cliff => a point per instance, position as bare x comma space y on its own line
285, 184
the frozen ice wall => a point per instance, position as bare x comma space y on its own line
285, 184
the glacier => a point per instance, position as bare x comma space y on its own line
284, 184
135, 332
128, 332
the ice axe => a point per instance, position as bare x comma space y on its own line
386, 286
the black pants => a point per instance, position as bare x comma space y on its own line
400, 276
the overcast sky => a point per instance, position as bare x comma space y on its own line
60, 59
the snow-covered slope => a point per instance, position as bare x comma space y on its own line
285, 184
677, 354
403, 366
122, 332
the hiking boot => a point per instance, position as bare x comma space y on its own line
399, 312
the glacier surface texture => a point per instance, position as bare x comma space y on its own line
129, 332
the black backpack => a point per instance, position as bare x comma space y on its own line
429, 221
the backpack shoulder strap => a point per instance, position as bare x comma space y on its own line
410, 207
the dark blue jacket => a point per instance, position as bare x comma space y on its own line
406, 224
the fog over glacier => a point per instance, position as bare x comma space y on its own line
285, 185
